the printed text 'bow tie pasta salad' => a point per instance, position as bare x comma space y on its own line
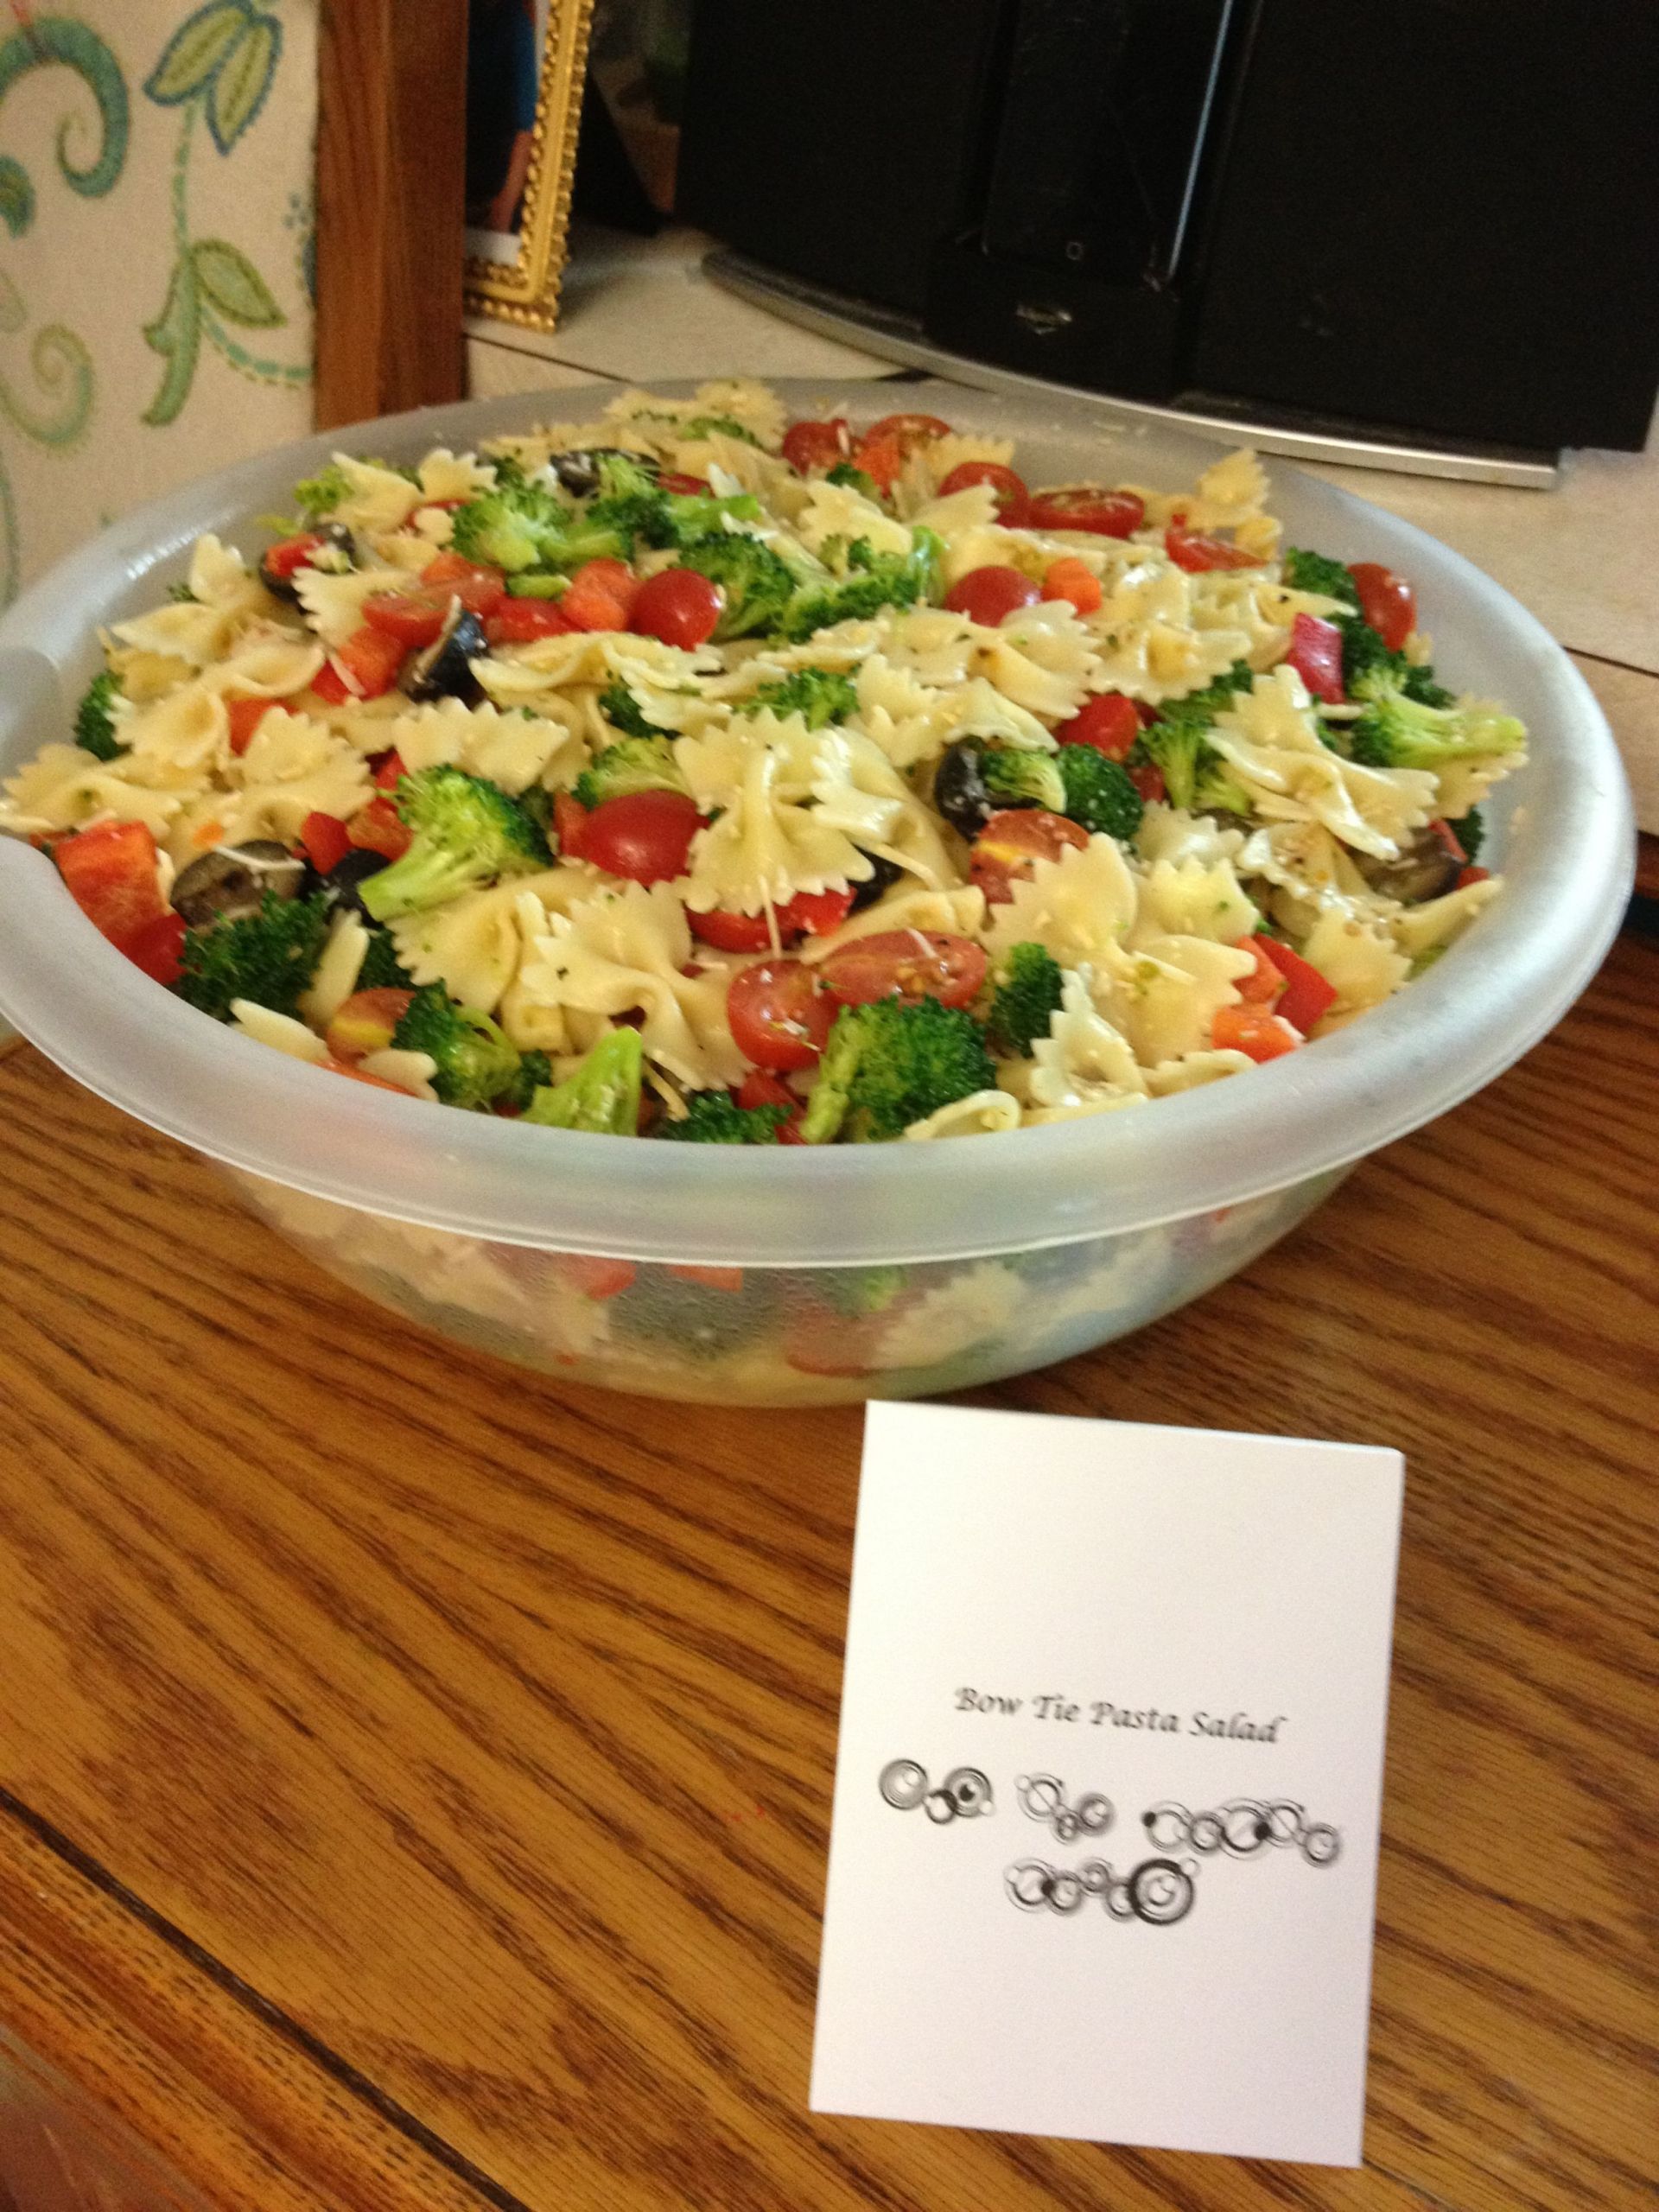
701, 775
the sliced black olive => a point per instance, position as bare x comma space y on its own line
1423, 870
332, 533
444, 670
230, 882
959, 790
887, 874
578, 473
344, 880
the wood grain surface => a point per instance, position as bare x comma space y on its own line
415, 1776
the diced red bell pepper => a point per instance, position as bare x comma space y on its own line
378, 828
1316, 655
1472, 875
1254, 1031
245, 715
367, 665
327, 840
156, 947
1307, 995
389, 772
111, 874
291, 554
595, 1277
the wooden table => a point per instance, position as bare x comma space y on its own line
414, 1777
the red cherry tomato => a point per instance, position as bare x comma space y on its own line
1011, 492
570, 820
809, 445
1307, 995
780, 1017
389, 772
759, 1088
1468, 875
823, 1342
245, 714
1265, 983
1075, 581
909, 964
910, 430
1085, 506
987, 594
816, 913
156, 947
672, 481
732, 932
291, 554
480, 589
711, 1278
598, 596
1386, 602
1316, 655
110, 871
378, 828
413, 618
520, 621
1252, 1030
644, 834
1008, 848
1196, 551
678, 606
1108, 722
809, 913
326, 839
1148, 781
364, 1022
367, 665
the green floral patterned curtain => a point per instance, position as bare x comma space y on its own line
155, 253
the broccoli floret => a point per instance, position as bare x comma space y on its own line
1470, 830
320, 494
1317, 572
1195, 775
1098, 793
520, 525
1367, 661
619, 707
535, 1073
1027, 986
892, 1063
757, 585
382, 969
1020, 778
476, 1063
638, 764
820, 694
856, 480
602, 1095
725, 426
1398, 731
269, 957
715, 1117
860, 1290
467, 833
95, 718
872, 581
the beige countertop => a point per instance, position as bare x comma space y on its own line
1584, 557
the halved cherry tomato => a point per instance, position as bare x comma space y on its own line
156, 947
389, 772
570, 820
1266, 982
644, 835
809, 445
678, 606
414, 617
880, 459
1085, 506
759, 1088
908, 965
110, 871
1307, 995
1253, 1031
710, 1278
245, 716
1316, 655
595, 1277
988, 595
817, 912
365, 1023
1148, 781
1108, 722
1196, 551
778, 1016
1008, 848
1012, 493
378, 828
367, 665
1386, 602
685, 487
289, 554
809, 913
520, 621
327, 840
478, 588
1074, 579
910, 430
598, 596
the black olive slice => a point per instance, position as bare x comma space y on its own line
443, 670
229, 882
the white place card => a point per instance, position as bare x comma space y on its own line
1103, 1860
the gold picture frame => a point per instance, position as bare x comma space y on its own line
523, 287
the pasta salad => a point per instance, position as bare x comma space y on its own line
701, 775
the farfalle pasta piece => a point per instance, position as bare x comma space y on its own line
513, 750
1418, 930
294, 767
957, 911
377, 498
1193, 1070
1361, 961
446, 475
267, 662
1042, 657
337, 970
1269, 738
983, 1113
1165, 995
772, 837
1169, 833
1193, 898
976, 1306
972, 508
63, 788
840, 510
226, 595
1085, 1061
472, 944
1077, 907
333, 599
625, 953
1310, 870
